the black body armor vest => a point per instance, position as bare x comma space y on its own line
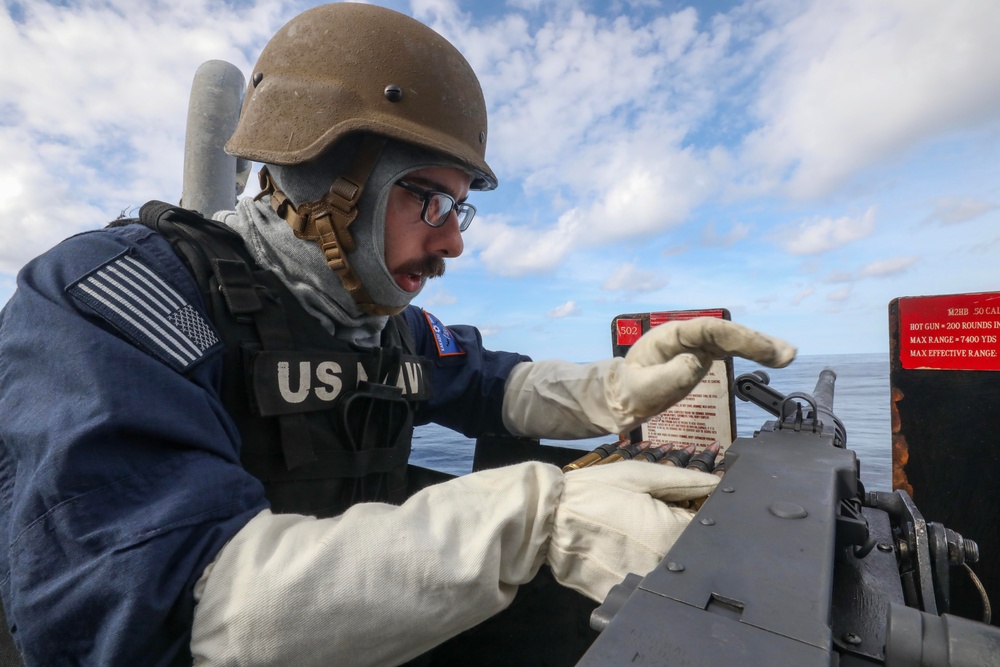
324, 424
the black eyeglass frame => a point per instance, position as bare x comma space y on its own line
464, 210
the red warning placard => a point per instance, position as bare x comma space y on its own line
952, 332
656, 319
627, 331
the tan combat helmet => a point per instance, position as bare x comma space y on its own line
353, 69
344, 68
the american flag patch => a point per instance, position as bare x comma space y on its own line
137, 301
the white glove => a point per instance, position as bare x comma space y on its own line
382, 584
608, 523
559, 399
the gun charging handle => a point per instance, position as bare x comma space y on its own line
755, 388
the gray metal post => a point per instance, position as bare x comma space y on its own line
211, 178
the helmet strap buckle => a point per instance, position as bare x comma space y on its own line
327, 221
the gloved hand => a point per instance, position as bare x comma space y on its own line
558, 399
381, 584
609, 522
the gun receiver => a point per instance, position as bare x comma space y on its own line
790, 562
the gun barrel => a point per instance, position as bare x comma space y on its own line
823, 393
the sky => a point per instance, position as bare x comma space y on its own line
799, 163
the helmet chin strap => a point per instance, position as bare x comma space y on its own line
327, 220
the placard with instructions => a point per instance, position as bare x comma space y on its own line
944, 377
706, 414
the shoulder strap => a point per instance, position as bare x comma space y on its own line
208, 248
212, 250
397, 333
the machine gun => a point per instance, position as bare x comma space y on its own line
791, 562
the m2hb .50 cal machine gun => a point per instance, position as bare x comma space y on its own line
791, 562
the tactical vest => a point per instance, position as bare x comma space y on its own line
324, 424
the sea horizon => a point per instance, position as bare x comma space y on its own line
861, 402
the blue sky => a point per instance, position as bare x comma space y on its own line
799, 163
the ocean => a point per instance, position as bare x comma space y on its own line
861, 401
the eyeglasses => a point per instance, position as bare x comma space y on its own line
439, 205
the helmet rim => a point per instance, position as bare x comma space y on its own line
348, 68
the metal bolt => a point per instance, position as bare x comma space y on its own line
882, 546
257, 78
904, 548
852, 639
393, 93
482, 137
675, 567
787, 510
728, 489
707, 521
971, 551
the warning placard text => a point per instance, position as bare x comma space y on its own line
953, 332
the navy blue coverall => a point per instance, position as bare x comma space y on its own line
120, 475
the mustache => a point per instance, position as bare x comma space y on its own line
430, 266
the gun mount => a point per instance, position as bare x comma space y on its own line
791, 562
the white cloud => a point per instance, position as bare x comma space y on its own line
737, 232
840, 276
94, 111
839, 295
986, 246
564, 310
435, 295
854, 82
550, 100
882, 268
628, 140
953, 211
819, 235
802, 295
605, 130
516, 250
641, 203
489, 330
429, 10
26, 228
674, 250
645, 198
628, 278
525, 4
886, 267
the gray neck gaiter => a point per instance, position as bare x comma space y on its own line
310, 181
300, 264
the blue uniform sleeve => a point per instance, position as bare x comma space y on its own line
467, 381
120, 477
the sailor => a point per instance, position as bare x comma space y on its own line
204, 427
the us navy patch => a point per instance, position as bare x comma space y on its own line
446, 344
292, 382
132, 297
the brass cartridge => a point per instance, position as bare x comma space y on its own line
592, 457
626, 452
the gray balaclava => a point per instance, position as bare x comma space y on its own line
301, 265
